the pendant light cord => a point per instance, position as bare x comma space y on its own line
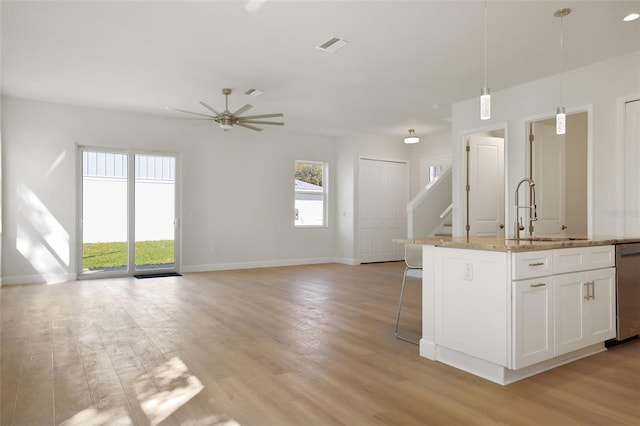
561, 57
485, 44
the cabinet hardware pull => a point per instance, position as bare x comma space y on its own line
591, 290
588, 293
537, 264
538, 285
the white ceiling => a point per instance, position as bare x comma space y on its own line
406, 63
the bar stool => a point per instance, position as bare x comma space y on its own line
413, 260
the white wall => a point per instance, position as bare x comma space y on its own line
345, 199
600, 88
237, 192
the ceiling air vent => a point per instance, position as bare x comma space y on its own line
332, 45
253, 92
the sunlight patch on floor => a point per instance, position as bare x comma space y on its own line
160, 393
167, 388
94, 417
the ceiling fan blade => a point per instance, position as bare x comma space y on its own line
243, 109
209, 108
257, 129
189, 118
261, 122
189, 112
251, 117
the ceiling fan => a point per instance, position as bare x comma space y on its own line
227, 119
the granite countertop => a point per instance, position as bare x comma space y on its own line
524, 244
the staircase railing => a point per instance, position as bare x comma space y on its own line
447, 211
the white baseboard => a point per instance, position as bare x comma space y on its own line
502, 375
38, 279
62, 277
347, 260
427, 349
260, 264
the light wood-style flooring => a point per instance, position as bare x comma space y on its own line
303, 345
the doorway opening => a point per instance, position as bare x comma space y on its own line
558, 164
128, 213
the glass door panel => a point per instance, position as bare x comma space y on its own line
104, 212
154, 226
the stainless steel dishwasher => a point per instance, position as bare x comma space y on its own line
628, 290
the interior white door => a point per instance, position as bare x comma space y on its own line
632, 171
486, 180
383, 194
548, 174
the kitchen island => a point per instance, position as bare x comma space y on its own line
508, 309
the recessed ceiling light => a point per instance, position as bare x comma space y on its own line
332, 45
631, 17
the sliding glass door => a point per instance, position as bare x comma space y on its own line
104, 212
155, 183
128, 211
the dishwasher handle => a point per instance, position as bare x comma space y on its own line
628, 252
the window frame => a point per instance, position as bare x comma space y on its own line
324, 193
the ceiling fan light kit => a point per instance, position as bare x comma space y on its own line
226, 120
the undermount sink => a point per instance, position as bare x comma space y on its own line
548, 239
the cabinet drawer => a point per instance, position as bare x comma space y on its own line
583, 259
531, 264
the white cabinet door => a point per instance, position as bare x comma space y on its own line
584, 309
602, 305
569, 312
533, 331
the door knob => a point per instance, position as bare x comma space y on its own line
501, 226
564, 227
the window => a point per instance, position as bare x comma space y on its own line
432, 174
310, 193
431, 168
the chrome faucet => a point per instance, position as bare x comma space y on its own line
533, 210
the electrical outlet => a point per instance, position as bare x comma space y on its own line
468, 271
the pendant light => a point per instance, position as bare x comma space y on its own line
561, 117
485, 95
412, 138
